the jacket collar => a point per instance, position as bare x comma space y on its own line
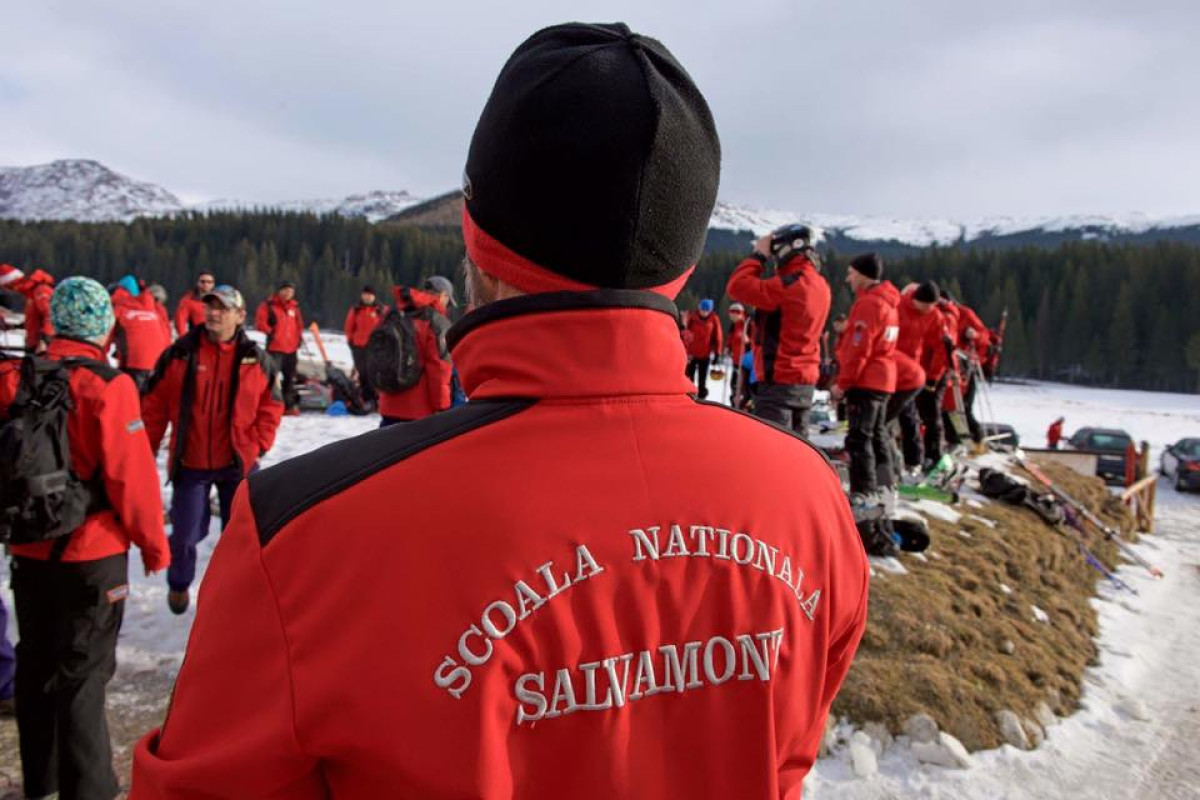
607, 342
67, 347
795, 264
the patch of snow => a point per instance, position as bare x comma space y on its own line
1004, 587
1040, 615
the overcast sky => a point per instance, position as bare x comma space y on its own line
949, 108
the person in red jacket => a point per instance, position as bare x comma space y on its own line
608, 610
280, 319
703, 340
925, 337
37, 289
216, 388
142, 332
1054, 433
70, 592
189, 313
974, 340
360, 321
867, 378
738, 342
427, 310
792, 307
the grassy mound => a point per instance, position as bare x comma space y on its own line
958, 637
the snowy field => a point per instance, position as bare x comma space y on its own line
1136, 734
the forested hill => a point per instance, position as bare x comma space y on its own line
1123, 314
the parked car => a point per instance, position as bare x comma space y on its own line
1181, 463
1007, 434
1110, 445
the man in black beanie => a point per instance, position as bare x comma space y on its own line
526, 625
923, 337
867, 379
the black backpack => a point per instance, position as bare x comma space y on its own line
41, 497
393, 352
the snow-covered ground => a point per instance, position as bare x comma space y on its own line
1135, 735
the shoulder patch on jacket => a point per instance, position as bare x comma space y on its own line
285, 491
770, 424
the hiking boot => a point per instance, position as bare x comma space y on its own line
178, 602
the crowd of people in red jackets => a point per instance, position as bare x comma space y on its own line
909, 359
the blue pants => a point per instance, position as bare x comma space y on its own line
8, 659
190, 516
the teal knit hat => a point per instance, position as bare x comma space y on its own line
80, 308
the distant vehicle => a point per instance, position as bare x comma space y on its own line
1001, 429
1110, 445
1181, 463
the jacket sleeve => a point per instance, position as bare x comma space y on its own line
438, 367
348, 326
231, 731
270, 410
129, 472
716, 336
746, 285
159, 402
262, 319
854, 346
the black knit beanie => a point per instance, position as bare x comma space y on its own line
595, 160
870, 265
927, 292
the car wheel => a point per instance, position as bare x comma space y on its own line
1179, 487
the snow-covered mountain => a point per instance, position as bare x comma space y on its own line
926, 232
88, 191
82, 190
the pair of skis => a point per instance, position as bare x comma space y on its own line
1083, 512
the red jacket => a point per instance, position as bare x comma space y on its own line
108, 444
432, 393
792, 308
538, 633
220, 400
740, 337
705, 333
281, 322
361, 320
977, 348
142, 332
909, 374
865, 350
37, 289
189, 313
922, 336
1054, 433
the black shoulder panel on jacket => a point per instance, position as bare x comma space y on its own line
103, 371
770, 424
285, 491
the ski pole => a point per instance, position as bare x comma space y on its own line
1109, 533
1089, 556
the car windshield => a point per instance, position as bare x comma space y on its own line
1189, 448
1109, 441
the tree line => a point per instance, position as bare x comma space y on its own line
1122, 315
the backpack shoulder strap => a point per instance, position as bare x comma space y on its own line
106, 372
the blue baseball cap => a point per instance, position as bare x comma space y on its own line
706, 305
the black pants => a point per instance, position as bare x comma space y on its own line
68, 617
785, 404
700, 365
286, 364
867, 441
969, 409
902, 406
360, 366
929, 406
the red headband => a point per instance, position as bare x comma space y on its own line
493, 258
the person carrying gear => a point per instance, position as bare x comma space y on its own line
37, 289
70, 589
189, 313
702, 337
792, 307
360, 321
280, 319
217, 389
579, 599
413, 334
867, 379
142, 332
